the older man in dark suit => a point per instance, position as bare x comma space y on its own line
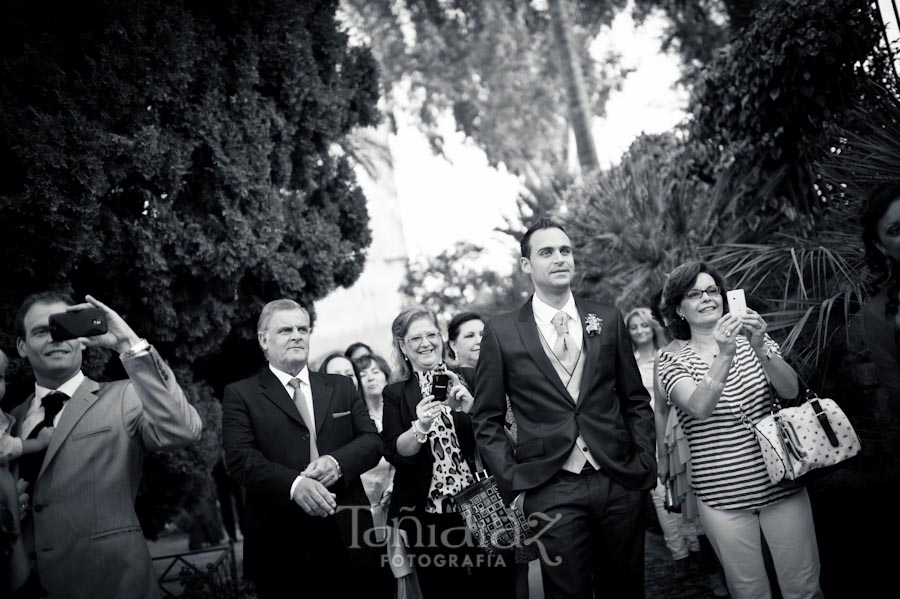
298, 441
585, 457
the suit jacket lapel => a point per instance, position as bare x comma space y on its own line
528, 331
78, 404
589, 345
323, 393
272, 389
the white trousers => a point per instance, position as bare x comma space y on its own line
788, 528
681, 537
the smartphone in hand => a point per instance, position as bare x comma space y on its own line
83, 323
440, 384
737, 302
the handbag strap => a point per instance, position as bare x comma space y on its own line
822, 417
480, 471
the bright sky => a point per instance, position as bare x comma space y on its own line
461, 198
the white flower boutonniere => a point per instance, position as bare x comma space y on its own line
593, 325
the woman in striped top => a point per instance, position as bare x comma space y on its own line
720, 374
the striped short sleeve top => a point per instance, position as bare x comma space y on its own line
727, 468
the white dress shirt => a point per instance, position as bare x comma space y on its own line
35, 413
303, 376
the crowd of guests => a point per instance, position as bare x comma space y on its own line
346, 475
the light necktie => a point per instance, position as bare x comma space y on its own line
564, 348
308, 419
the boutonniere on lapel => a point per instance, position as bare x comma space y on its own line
593, 325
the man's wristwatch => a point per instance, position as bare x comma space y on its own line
139, 347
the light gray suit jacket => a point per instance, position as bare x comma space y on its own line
82, 525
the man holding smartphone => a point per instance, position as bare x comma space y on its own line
82, 530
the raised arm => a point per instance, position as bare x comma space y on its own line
155, 409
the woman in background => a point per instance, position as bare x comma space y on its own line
647, 337
373, 373
464, 335
881, 235
339, 364
357, 350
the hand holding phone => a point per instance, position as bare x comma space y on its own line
737, 302
72, 325
112, 332
440, 384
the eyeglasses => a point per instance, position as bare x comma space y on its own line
419, 339
698, 293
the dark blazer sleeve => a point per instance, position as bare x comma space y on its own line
365, 450
489, 413
634, 399
246, 463
394, 424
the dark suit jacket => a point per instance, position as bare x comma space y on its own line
267, 446
413, 475
613, 412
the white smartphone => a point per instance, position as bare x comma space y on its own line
737, 302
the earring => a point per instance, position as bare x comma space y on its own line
681, 316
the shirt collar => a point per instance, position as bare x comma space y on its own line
69, 387
544, 312
284, 378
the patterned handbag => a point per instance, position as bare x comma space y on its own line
796, 441
497, 528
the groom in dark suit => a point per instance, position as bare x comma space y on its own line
585, 457
298, 441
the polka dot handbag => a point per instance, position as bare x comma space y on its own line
795, 441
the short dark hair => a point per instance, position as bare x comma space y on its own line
455, 324
323, 367
44, 297
348, 353
363, 362
544, 223
680, 281
457, 321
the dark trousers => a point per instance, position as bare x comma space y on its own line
591, 529
231, 499
449, 565
326, 567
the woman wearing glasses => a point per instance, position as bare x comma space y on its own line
721, 373
431, 444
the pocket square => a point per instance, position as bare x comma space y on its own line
339, 414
